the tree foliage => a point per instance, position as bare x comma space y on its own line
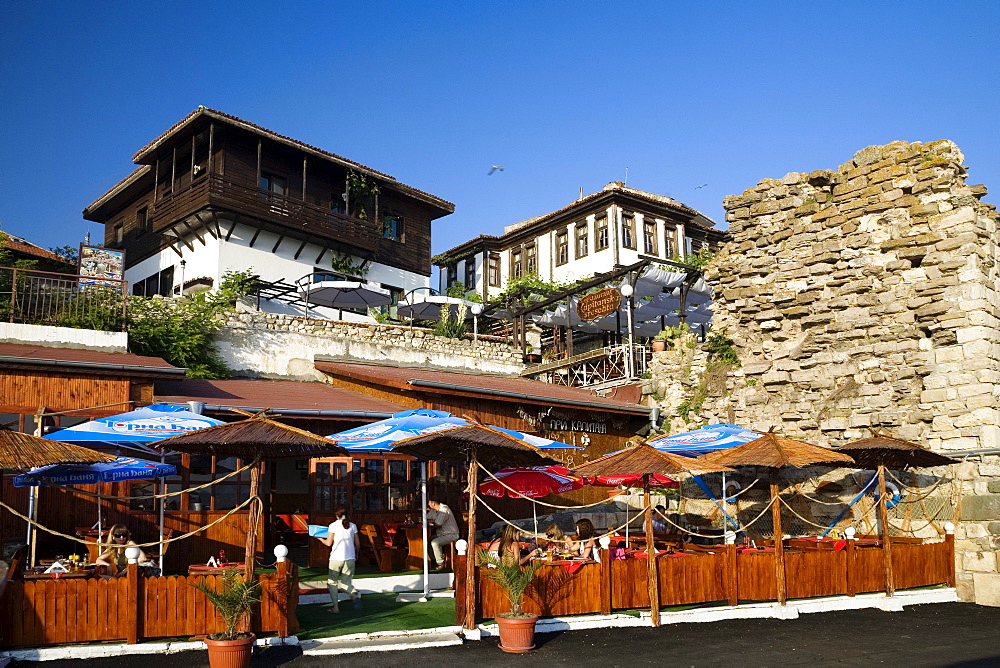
233, 601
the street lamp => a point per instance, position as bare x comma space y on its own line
476, 309
627, 291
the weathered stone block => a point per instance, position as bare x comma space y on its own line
981, 508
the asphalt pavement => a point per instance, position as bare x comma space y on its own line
944, 634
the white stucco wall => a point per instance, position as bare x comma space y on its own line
63, 337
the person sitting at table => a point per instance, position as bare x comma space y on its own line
555, 539
659, 519
442, 519
506, 547
113, 559
342, 537
585, 545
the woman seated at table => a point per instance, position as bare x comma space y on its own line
659, 519
506, 547
585, 545
113, 559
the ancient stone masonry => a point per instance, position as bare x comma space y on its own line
866, 297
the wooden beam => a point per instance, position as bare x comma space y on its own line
471, 553
653, 583
173, 170
255, 235
156, 179
779, 543
208, 229
211, 146
883, 520
322, 253
257, 182
193, 231
278, 243
299, 251
231, 229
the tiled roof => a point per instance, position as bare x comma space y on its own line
18, 353
275, 394
21, 246
531, 390
256, 129
611, 187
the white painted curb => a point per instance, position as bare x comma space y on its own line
105, 651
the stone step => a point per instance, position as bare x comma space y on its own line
384, 644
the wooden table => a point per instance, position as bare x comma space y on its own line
202, 569
415, 542
93, 544
78, 575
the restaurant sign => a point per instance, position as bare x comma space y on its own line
598, 304
562, 424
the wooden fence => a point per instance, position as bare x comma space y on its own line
131, 608
716, 574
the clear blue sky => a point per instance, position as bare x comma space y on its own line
564, 95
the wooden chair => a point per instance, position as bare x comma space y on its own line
152, 554
374, 546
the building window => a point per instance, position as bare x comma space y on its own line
602, 234
451, 276
337, 201
274, 184
668, 243
628, 230
649, 236
392, 227
118, 234
531, 265
470, 273
562, 247
581, 240
142, 220
494, 271
693, 246
516, 263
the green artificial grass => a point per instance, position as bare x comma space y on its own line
379, 612
370, 571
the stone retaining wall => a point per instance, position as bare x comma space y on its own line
282, 346
866, 298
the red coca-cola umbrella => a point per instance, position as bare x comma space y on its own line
656, 480
530, 481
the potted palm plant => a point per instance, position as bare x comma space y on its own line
517, 627
232, 600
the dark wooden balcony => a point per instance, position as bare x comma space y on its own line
217, 193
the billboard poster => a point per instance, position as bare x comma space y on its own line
101, 266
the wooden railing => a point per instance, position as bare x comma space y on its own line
216, 191
131, 608
717, 574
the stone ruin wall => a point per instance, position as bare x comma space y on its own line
865, 298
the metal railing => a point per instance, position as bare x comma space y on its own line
596, 367
36, 297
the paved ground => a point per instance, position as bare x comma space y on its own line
946, 634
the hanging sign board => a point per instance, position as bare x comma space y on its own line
598, 304
97, 263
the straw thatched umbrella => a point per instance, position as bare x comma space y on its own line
774, 451
645, 460
257, 438
27, 451
881, 452
478, 444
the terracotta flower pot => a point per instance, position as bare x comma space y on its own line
517, 635
659, 346
230, 653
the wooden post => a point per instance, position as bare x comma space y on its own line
133, 614
284, 580
458, 567
605, 582
473, 549
949, 539
850, 558
732, 575
884, 531
253, 519
779, 544
652, 570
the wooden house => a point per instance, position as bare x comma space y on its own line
216, 193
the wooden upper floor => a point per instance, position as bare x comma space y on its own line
212, 170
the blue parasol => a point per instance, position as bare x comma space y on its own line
707, 439
148, 424
122, 469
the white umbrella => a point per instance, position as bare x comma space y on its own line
429, 307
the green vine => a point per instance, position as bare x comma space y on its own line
342, 263
361, 192
458, 291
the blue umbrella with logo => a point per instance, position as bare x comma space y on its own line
709, 438
382, 435
122, 469
136, 430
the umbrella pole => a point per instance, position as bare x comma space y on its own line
654, 572
779, 544
472, 553
163, 503
32, 502
890, 587
253, 518
423, 528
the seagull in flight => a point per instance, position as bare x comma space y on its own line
701, 186
495, 168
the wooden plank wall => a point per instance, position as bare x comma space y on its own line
52, 612
23, 391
